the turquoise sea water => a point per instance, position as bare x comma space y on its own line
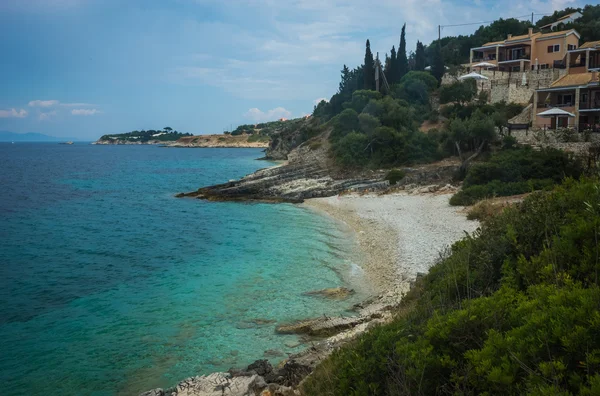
109, 285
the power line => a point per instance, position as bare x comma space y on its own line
440, 27
484, 22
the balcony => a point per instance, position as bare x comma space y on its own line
559, 64
542, 105
589, 106
515, 58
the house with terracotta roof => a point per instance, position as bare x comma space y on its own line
584, 59
569, 18
531, 51
576, 93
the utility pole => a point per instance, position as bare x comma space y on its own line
439, 32
532, 18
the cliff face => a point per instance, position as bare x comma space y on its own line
290, 136
309, 172
240, 141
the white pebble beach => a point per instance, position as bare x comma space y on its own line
399, 234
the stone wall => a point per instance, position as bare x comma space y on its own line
548, 138
509, 87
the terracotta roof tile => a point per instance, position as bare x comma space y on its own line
561, 33
590, 44
521, 37
572, 80
493, 43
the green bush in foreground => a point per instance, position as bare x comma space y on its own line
394, 176
512, 310
516, 171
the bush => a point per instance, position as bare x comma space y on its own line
460, 92
516, 171
513, 309
509, 142
394, 176
315, 145
524, 164
496, 188
350, 150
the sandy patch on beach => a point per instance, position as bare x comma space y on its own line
399, 234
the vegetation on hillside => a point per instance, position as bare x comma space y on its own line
381, 129
263, 128
513, 309
516, 171
167, 134
588, 25
455, 49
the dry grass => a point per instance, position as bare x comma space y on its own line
488, 208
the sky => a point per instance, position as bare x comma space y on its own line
85, 68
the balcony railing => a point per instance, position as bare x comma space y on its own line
559, 64
484, 58
588, 106
517, 57
544, 105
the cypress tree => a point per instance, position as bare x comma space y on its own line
345, 78
401, 60
437, 62
420, 57
391, 75
369, 69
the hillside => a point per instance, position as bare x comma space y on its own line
207, 141
150, 136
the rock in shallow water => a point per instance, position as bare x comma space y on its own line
335, 293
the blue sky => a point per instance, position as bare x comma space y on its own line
85, 68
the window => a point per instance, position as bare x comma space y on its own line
554, 48
571, 47
544, 66
515, 68
566, 99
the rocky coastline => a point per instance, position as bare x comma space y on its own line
401, 229
199, 141
401, 234
117, 142
217, 141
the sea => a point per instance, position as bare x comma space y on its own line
109, 285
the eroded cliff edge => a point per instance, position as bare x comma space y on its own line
309, 172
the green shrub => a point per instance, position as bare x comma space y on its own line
516, 171
350, 150
511, 310
509, 142
394, 176
315, 145
258, 137
496, 188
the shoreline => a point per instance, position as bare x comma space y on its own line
398, 236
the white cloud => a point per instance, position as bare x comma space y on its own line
13, 113
43, 103
300, 45
85, 112
47, 116
318, 100
77, 104
54, 102
257, 115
